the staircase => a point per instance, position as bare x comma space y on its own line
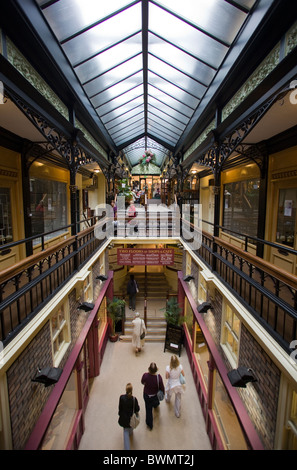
157, 288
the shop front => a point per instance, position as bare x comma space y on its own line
61, 424
227, 423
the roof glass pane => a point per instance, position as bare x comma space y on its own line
172, 90
162, 129
126, 123
117, 90
120, 100
122, 109
175, 76
135, 130
110, 58
122, 129
170, 101
69, 16
217, 17
185, 36
114, 76
183, 61
128, 115
166, 109
166, 117
161, 122
103, 35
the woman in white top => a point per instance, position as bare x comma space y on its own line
173, 372
138, 329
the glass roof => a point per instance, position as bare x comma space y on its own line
146, 65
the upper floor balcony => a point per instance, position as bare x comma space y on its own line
266, 291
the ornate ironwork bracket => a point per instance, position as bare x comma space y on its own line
68, 148
217, 155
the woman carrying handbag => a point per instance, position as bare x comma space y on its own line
128, 405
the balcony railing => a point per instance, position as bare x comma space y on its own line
268, 293
28, 285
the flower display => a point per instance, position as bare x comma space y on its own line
147, 158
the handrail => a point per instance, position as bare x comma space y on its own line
44, 234
251, 237
269, 268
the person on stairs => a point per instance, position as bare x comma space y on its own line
132, 289
139, 331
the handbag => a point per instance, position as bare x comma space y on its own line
182, 379
135, 418
136, 287
160, 394
142, 336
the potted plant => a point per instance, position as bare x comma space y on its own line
115, 309
124, 189
172, 312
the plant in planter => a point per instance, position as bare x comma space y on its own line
115, 309
172, 312
124, 189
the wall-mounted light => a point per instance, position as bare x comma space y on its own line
202, 308
86, 306
188, 278
48, 376
241, 376
102, 277
110, 246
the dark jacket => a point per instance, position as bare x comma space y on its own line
131, 287
150, 383
126, 410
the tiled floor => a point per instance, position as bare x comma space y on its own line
120, 366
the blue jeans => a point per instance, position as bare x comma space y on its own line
127, 433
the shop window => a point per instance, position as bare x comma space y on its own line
286, 216
292, 424
230, 335
6, 235
88, 288
227, 421
102, 317
60, 332
202, 353
188, 318
48, 206
61, 425
241, 201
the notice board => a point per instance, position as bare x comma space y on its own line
145, 256
174, 338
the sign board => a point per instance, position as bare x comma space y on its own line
174, 339
145, 256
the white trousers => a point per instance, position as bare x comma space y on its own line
177, 401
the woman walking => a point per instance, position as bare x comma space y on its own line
127, 405
173, 385
138, 330
152, 384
